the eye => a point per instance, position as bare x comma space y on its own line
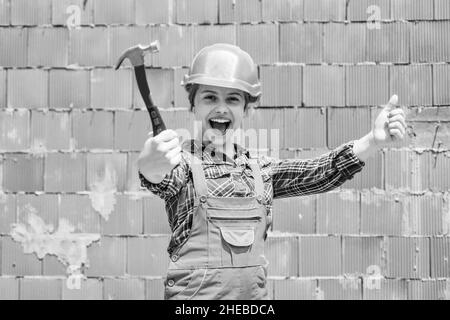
210, 98
234, 99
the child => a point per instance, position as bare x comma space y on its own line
217, 199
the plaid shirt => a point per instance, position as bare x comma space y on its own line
233, 178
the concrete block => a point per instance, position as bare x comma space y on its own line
107, 257
15, 262
2, 89
428, 290
324, 10
440, 255
124, 289
440, 166
363, 255
40, 289
340, 289
441, 10
385, 289
281, 85
50, 130
7, 212
408, 257
338, 213
389, 43
284, 10
64, 12
344, 42
282, 254
124, 37
305, 128
197, 11
295, 215
78, 211
69, 89
430, 41
366, 85
324, 86
260, 41
36, 83
31, 12
441, 83
176, 45
91, 289
133, 182
13, 51
364, 10
51, 266
5, 13
111, 89
425, 215
131, 129
161, 85
114, 12
412, 10
106, 171
154, 11
181, 98
412, 84
320, 256
92, 130
239, 11
301, 43
372, 176
267, 125
155, 216
295, 289
205, 35
43, 205
15, 132
65, 172
89, 46
154, 289
48, 47
9, 289
23, 172
147, 256
345, 124
429, 135
126, 218
428, 114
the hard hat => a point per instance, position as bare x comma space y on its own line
224, 65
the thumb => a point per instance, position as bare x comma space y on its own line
392, 104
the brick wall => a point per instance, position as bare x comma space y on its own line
68, 121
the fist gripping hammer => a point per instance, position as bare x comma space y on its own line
136, 56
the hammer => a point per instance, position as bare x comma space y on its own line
136, 56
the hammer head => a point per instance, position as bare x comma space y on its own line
136, 54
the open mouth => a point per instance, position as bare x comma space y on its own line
220, 124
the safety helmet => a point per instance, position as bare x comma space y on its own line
224, 65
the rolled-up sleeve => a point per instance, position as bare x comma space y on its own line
296, 177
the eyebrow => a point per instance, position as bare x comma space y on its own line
214, 92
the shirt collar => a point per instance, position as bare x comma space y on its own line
209, 155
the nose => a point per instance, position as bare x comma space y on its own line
221, 109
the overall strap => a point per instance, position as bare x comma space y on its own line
198, 176
259, 186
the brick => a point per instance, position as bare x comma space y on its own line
412, 84
441, 82
260, 41
40, 289
90, 289
324, 10
284, 10
2, 89
433, 114
13, 51
43, 205
147, 256
36, 83
305, 128
155, 216
26, 12
131, 129
126, 219
295, 289
408, 257
205, 35
364, 10
412, 10
51, 266
176, 45
440, 166
345, 124
344, 42
281, 85
111, 89
366, 85
69, 89
114, 12
154, 289
324, 86
124, 37
440, 256
7, 212
430, 42
320, 256
107, 257
78, 211
239, 11
267, 125
371, 176
389, 43
5, 13
89, 46
154, 11
282, 254
197, 11
23, 173
50, 130
92, 129
341, 289
362, 255
15, 131
15, 262
301, 42
425, 214
388, 289
133, 183
64, 12
338, 213
107, 170
48, 47
65, 172
161, 85
124, 289
427, 290
429, 135
181, 98
441, 9
9, 289
295, 214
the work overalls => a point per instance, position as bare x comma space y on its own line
224, 256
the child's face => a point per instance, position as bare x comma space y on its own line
220, 111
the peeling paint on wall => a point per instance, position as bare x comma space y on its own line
103, 191
349, 283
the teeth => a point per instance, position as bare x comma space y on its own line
220, 120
